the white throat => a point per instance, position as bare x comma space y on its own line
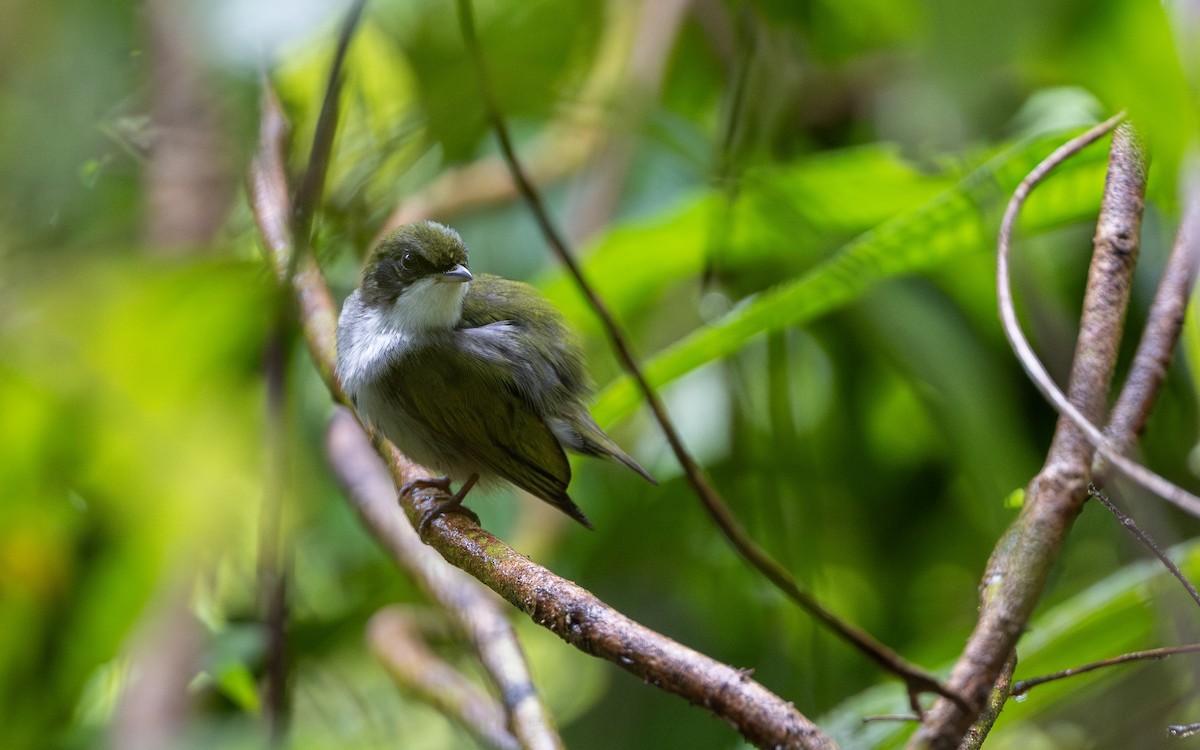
429, 304
369, 338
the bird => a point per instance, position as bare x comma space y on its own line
475, 376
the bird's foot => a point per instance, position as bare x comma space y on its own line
450, 504
425, 483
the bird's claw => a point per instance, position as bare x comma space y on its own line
425, 483
450, 504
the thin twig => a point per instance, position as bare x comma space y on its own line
1146, 541
267, 188
312, 185
274, 552
1024, 686
917, 679
565, 608
728, 177
881, 718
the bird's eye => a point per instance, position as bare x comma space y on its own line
406, 261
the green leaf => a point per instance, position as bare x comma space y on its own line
784, 219
237, 683
534, 50
1138, 69
958, 221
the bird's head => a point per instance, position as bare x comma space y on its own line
417, 277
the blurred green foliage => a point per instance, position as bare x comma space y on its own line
800, 246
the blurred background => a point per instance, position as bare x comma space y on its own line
790, 206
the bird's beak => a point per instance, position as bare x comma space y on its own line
457, 274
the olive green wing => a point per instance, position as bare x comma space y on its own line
502, 319
475, 411
491, 299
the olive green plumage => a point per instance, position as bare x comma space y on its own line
468, 374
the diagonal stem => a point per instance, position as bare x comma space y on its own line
917, 679
312, 184
1163, 325
1145, 540
559, 605
1029, 360
1020, 564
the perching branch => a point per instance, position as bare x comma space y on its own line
1016, 574
565, 608
579, 618
917, 679
471, 608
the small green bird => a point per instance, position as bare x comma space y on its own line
475, 376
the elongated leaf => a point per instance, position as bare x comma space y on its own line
958, 221
784, 219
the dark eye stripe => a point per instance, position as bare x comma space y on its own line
413, 265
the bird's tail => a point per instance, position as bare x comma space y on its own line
564, 503
580, 433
